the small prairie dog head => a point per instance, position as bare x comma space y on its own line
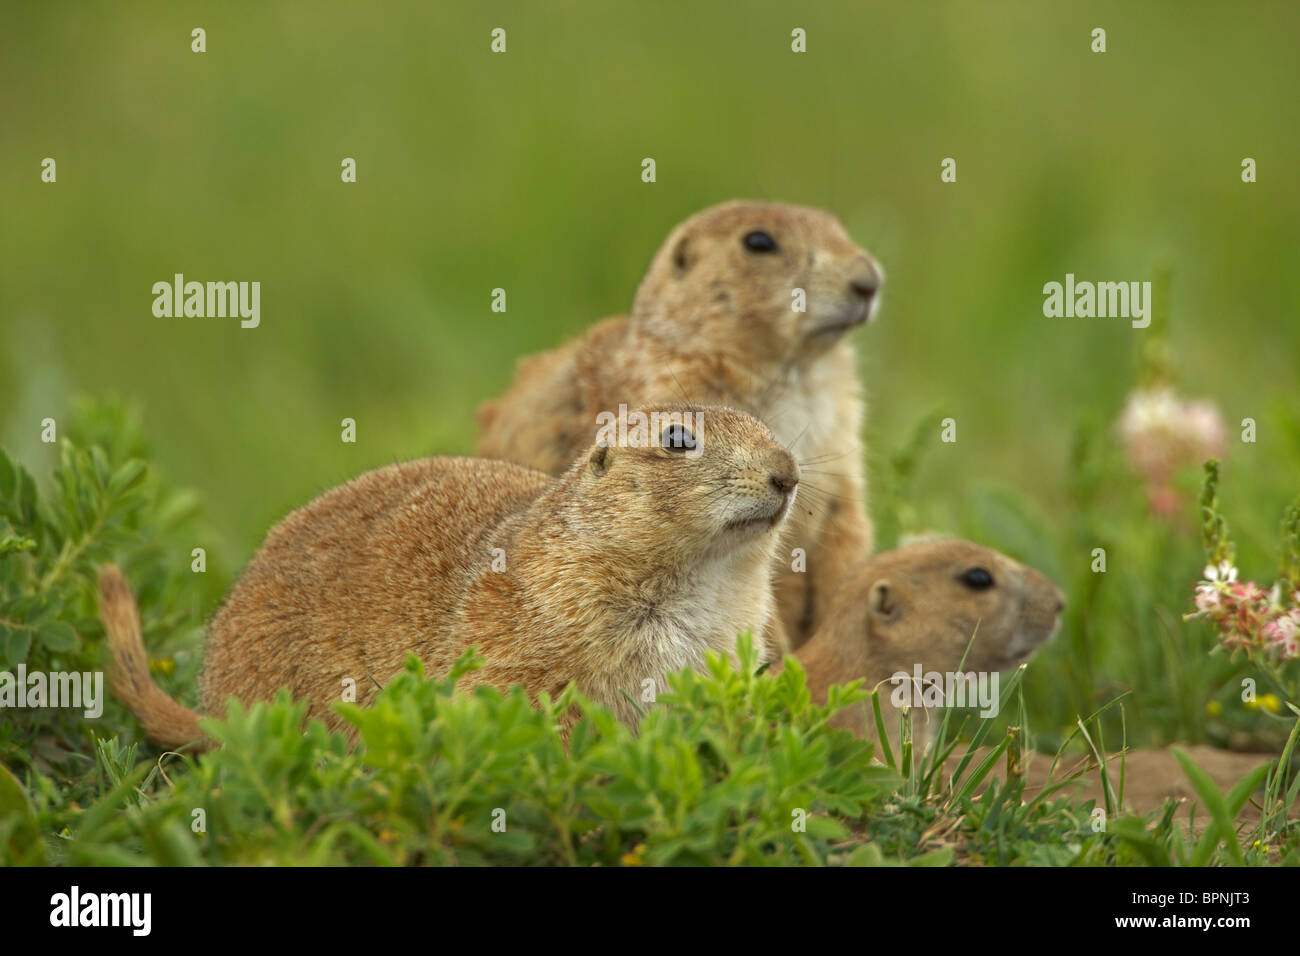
921, 604
686, 480
737, 272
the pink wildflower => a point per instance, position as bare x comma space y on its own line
1245, 614
1162, 433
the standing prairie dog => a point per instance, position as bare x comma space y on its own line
919, 605
654, 547
716, 319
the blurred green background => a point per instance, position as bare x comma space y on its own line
522, 171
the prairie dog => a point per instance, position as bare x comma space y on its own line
921, 605
715, 320
654, 547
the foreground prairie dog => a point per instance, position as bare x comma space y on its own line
654, 547
920, 605
714, 320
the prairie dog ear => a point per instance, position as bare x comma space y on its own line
598, 463
682, 258
883, 602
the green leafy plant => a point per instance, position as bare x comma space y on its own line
728, 767
102, 504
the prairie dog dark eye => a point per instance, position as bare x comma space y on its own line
977, 579
677, 438
759, 241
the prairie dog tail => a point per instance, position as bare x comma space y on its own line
165, 721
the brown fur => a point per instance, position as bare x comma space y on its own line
624, 568
908, 606
713, 322
165, 721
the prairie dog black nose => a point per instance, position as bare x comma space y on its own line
784, 475
866, 278
865, 285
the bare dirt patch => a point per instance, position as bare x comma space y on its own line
1151, 776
